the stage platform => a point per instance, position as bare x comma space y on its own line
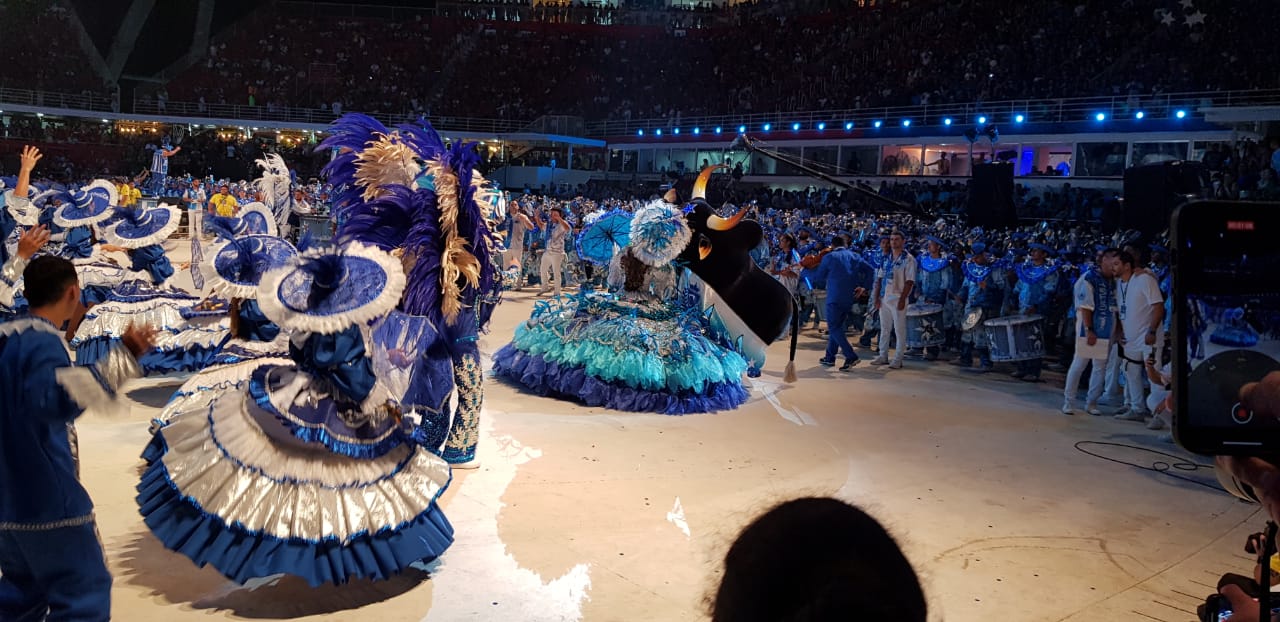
584, 514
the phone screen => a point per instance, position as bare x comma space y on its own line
1227, 292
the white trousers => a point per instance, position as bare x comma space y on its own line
552, 266
514, 256
1097, 379
1114, 369
893, 320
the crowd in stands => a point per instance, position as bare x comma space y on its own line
40, 50
889, 54
488, 62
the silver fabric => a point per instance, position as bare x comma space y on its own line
199, 390
117, 367
113, 318
10, 273
292, 492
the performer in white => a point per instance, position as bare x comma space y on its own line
891, 293
1094, 296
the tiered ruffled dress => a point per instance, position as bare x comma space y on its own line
632, 351
281, 476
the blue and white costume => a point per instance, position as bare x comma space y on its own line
15, 211
983, 291
1095, 293
183, 344
439, 216
309, 468
645, 347
1037, 284
47, 532
236, 269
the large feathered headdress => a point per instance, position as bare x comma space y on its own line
275, 187
404, 189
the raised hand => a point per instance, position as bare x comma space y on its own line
30, 156
32, 240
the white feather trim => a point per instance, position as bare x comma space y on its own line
288, 319
112, 202
258, 207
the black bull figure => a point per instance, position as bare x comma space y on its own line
719, 254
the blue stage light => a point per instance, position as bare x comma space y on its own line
697, 130
718, 129
767, 126
982, 120
822, 126
742, 129
1100, 116
848, 125
1019, 119
877, 124
639, 132
906, 123
675, 131
946, 121
657, 132
795, 127
1139, 114
1181, 114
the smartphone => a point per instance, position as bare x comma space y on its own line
1226, 323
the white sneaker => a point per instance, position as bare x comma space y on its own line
1156, 423
879, 361
1132, 415
1067, 408
468, 465
895, 365
1093, 410
1166, 437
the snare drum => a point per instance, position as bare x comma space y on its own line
1015, 337
924, 326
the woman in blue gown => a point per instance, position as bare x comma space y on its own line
308, 468
644, 346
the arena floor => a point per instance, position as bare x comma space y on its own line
583, 514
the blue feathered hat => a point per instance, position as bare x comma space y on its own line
239, 265
138, 226
1042, 247
330, 290
88, 205
936, 240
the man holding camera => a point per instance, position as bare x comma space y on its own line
1140, 316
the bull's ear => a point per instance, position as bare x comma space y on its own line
704, 247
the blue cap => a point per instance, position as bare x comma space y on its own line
936, 240
979, 248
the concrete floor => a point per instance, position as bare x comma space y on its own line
583, 514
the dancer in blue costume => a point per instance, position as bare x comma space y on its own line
236, 268
308, 469
80, 211
183, 344
405, 192
642, 347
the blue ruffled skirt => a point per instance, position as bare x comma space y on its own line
639, 356
183, 344
226, 487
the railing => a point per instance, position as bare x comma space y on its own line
1004, 114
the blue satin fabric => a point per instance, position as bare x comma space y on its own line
254, 326
338, 359
78, 244
153, 260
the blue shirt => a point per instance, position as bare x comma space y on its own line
842, 272
1039, 293
989, 298
38, 475
935, 286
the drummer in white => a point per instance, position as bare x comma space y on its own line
891, 293
1140, 314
